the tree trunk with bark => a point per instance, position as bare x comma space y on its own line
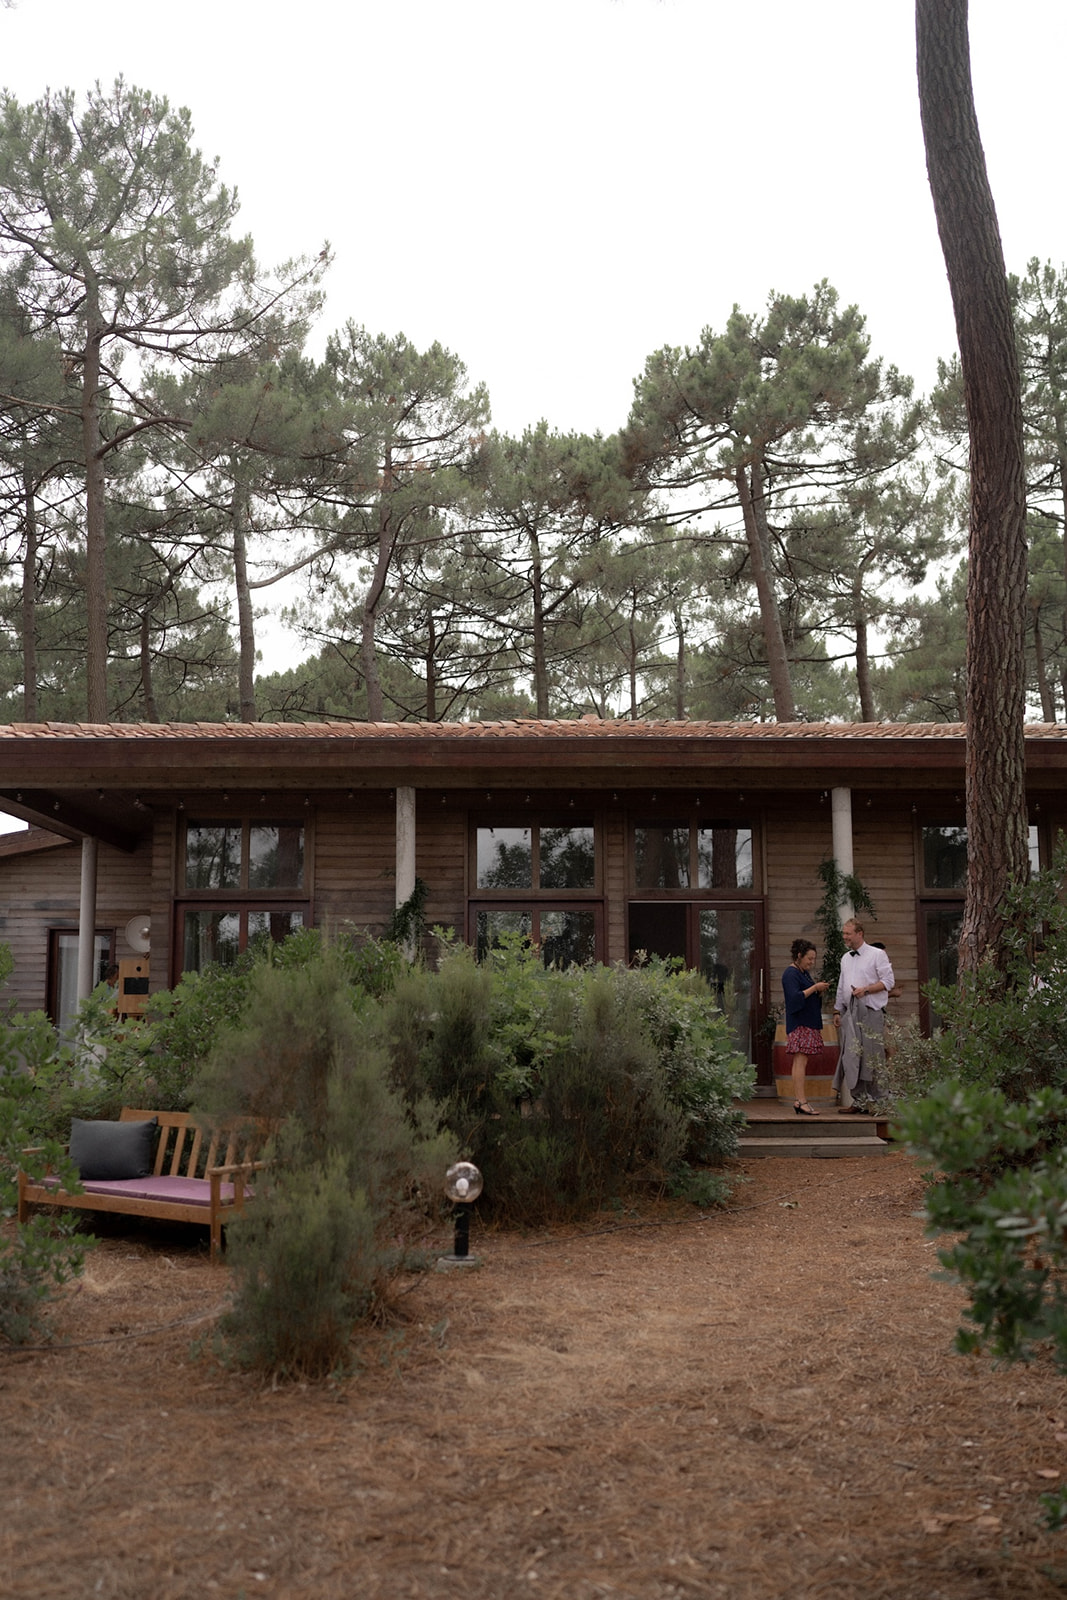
95, 532
750, 494
246, 623
540, 654
29, 591
996, 591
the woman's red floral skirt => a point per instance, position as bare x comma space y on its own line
804, 1042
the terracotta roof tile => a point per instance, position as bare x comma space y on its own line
581, 729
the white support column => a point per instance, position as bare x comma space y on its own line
405, 844
841, 803
87, 920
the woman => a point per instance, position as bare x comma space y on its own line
803, 1018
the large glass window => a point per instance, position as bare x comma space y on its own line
677, 855
63, 970
232, 855
539, 870
944, 856
724, 856
243, 882
722, 940
566, 937
536, 857
211, 934
661, 855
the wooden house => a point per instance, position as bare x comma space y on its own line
182, 843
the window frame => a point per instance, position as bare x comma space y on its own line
241, 900
521, 906
56, 932
1036, 845
536, 823
694, 890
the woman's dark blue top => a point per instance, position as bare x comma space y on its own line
800, 1012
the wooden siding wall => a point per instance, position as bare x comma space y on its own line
883, 853
883, 850
794, 842
42, 889
615, 884
355, 865
164, 974
441, 861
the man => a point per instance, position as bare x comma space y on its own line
859, 1012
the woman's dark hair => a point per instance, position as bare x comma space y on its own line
800, 947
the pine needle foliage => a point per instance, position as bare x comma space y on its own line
353, 1171
39, 1256
567, 1089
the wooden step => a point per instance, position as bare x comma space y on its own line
824, 1145
774, 1129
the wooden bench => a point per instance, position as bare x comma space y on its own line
193, 1179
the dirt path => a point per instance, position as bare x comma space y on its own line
756, 1404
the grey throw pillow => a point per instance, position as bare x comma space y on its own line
113, 1149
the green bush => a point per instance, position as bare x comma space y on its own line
567, 1088
1005, 1024
37, 1257
353, 1170
984, 1104
998, 1173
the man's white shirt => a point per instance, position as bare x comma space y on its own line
859, 969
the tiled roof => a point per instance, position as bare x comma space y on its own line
526, 728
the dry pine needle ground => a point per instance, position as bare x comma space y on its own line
761, 1403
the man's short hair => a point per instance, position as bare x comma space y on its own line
856, 924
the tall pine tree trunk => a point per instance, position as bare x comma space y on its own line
679, 668
540, 658
754, 510
29, 589
148, 692
1044, 687
863, 668
95, 531
996, 586
246, 625
1061, 441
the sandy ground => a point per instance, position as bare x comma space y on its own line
759, 1403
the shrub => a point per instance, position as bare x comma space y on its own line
992, 1126
1002, 1025
38, 1257
353, 1169
1000, 1189
565, 1088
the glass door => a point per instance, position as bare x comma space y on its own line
940, 923
63, 971
722, 940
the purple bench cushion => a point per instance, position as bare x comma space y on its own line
182, 1191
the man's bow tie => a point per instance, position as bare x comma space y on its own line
853, 952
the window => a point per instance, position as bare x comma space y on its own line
680, 855
566, 937
63, 970
536, 857
540, 870
944, 856
235, 855
242, 882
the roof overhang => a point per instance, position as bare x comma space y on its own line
103, 780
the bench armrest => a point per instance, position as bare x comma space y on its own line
239, 1171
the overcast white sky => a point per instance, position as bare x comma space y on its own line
555, 188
